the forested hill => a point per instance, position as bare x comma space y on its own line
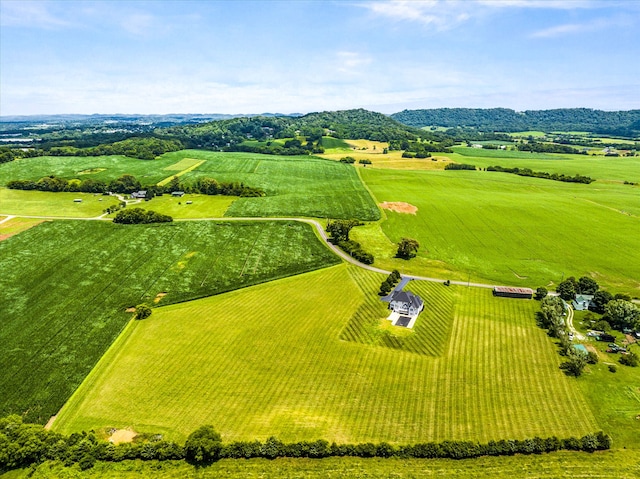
625, 123
347, 124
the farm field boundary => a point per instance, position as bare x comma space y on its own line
268, 360
77, 278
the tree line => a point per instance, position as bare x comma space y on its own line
127, 184
23, 445
339, 235
542, 174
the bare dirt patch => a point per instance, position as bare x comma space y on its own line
399, 207
50, 423
159, 296
130, 310
119, 436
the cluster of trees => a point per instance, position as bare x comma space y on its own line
407, 248
339, 235
421, 149
539, 147
22, 445
542, 174
618, 311
507, 120
389, 283
459, 166
348, 159
137, 216
290, 147
146, 148
9, 154
55, 184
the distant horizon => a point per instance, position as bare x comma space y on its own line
299, 113
148, 57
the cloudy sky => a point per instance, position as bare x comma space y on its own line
300, 56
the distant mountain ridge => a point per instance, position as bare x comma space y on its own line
625, 123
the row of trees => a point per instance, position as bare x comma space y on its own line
540, 147
22, 445
127, 184
389, 283
542, 174
339, 235
137, 216
145, 148
459, 166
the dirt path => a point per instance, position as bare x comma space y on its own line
575, 332
9, 217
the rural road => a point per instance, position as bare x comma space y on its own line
311, 222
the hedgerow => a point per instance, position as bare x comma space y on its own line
23, 444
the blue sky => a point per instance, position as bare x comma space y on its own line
301, 56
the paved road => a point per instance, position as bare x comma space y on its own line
318, 227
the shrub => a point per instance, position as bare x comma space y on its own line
133, 216
630, 359
541, 293
203, 446
143, 311
612, 368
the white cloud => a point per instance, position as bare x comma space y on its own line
29, 14
351, 62
546, 4
440, 14
575, 28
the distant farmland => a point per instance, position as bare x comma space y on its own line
268, 360
502, 228
65, 286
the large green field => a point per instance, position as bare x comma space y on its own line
618, 464
618, 169
502, 228
268, 360
65, 286
43, 203
105, 168
295, 186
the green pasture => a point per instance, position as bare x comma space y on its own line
506, 229
105, 168
295, 186
202, 206
618, 169
268, 360
65, 286
618, 464
44, 203
334, 145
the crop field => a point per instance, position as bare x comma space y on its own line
618, 169
295, 186
507, 229
619, 464
65, 286
105, 168
268, 360
44, 203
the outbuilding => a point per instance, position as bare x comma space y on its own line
512, 292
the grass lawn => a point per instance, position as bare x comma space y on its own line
44, 203
105, 168
268, 360
65, 286
295, 186
16, 225
507, 229
619, 464
202, 206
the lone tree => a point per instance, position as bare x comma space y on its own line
407, 248
339, 229
567, 289
575, 365
203, 446
541, 293
622, 314
143, 311
587, 285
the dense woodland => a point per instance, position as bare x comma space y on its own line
622, 123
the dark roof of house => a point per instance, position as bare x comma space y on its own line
407, 297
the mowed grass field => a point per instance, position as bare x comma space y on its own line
502, 228
13, 226
43, 203
619, 464
295, 186
268, 360
65, 286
